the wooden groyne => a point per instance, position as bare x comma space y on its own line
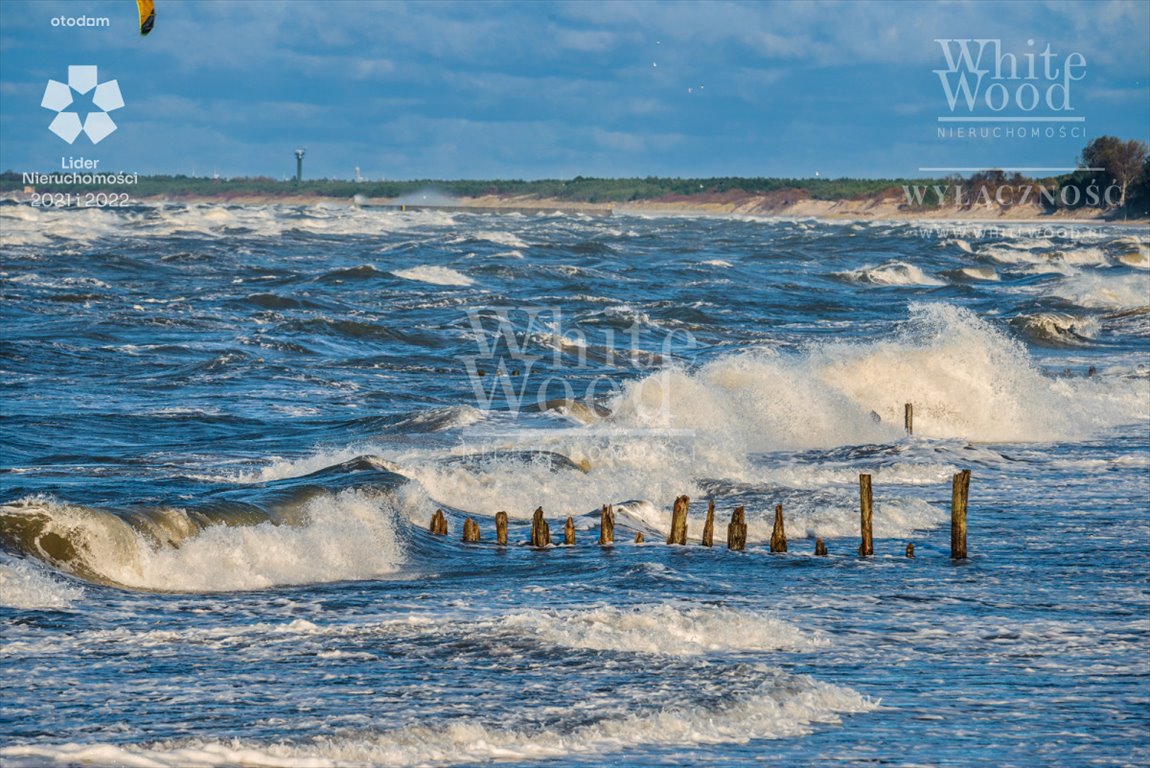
606, 525
960, 490
779, 534
679, 522
540, 537
866, 508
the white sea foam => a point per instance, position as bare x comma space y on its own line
669, 629
434, 275
26, 585
1102, 291
967, 380
784, 706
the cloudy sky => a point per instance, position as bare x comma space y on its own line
554, 90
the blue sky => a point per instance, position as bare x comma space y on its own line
554, 90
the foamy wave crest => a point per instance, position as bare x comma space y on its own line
1095, 291
278, 468
891, 273
25, 225
966, 379
664, 629
1055, 329
27, 586
1133, 252
980, 273
782, 706
500, 238
1083, 257
347, 535
434, 275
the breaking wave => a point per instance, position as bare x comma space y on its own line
434, 275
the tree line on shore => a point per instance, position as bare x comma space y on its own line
1124, 171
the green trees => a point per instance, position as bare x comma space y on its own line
1122, 160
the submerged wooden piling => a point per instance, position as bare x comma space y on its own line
438, 523
908, 418
540, 532
709, 526
569, 532
820, 548
679, 521
958, 497
607, 525
866, 504
779, 534
737, 530
470, 530
910, 550
501, 528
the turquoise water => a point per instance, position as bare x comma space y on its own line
225, 429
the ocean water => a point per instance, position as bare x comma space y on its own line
225, 429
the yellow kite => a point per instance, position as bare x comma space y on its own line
147, 15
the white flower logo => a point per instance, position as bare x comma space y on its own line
61, 98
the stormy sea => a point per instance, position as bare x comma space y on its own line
225, 430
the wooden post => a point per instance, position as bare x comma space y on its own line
639, 537
910, 550
438, 523
607, 525
908, 418
501, 528
679, 521
820, 548
470, 530
709, 526
569, 532
779, 534
866, 499
737, 530
959, 492
540, 532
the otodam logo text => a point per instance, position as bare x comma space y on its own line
987, 82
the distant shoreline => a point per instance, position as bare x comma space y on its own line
987, 196
878, 209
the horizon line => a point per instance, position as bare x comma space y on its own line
1011, 119
974, 169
